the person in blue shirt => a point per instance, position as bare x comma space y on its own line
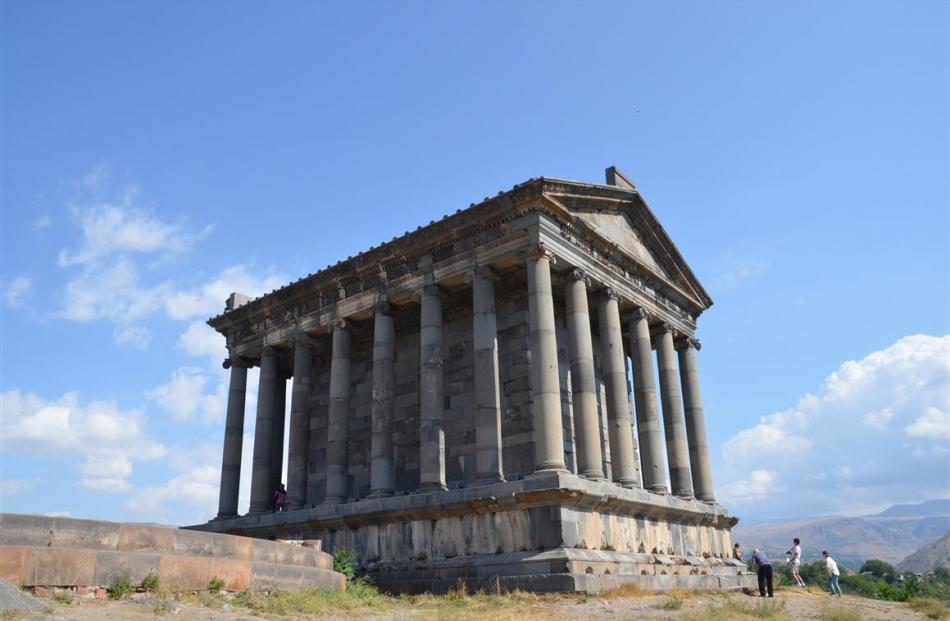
763, 568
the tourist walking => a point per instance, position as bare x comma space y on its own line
795, 560
763, 569
833, 573
280, 498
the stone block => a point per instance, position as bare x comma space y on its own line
60, 567
231, 547
110, 566
236, 574
14, 563
185, 572
137, 538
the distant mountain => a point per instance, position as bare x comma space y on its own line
924, 509
928, 558
851, 540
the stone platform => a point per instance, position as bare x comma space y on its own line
38, 551
548, 532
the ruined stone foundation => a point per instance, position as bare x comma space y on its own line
552, 532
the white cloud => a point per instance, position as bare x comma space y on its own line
12, 487
108, 438
933, 423
43, 222
184, 398
124, 227
208, 299
133, 336
201, 340
833, 452
17, 290
739, 272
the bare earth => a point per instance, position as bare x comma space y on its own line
797, 605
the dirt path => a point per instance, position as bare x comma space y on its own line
791, 604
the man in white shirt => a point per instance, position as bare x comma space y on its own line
795, 560
832, 568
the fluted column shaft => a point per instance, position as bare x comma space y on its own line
261, 490
488, 447
381, 476
299, 445
619, 427
277, 446
677, 451
583, 381
338, 418
644, 394
431, 401
545, 381
233, 441
695, 421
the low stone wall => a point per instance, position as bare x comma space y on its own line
554, 532
37, 551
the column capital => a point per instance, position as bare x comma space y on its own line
342, 324
268, 350
430, 291
383, 307
237, 361
303, 339
537, 252
481, 272
664, 327
609, 293
636, 314
686, 342
579, 274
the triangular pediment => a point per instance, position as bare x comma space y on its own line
617, 227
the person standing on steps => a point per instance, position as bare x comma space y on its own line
280, 498
763, 569
833, 573
795, 560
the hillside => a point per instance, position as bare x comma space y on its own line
891, 535
928, 558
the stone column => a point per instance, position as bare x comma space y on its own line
545, 381
488, 460
261, 490
644, 393
381, 475
695, 421
431, 401
280, 418
620, 429
338, 418
233, 439
299, 450
583, 381
677, 451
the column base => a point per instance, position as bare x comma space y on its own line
223, 516
380, 493
658, 489
593, 475
548, 470
431, 487
489, 480
332, 500
630, 484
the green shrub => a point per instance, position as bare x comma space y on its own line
879, 569
151, 583
120, 588
216, 585
344, 561
64, 597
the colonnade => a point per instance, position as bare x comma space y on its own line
682, 410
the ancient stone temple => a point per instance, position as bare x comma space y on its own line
477, 401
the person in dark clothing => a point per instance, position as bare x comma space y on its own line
763, 568
280, 498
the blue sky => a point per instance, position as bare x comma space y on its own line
156, 156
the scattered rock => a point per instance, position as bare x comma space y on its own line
227, 608
12, 599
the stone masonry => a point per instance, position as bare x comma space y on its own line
477, 401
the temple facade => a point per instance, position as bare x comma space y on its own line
509, 395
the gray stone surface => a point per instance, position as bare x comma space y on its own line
261, 490
298, 449
12, 599
674, 423
233, 440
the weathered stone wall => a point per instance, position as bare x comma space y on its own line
64, 552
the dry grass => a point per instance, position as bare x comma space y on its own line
929, 607
628, 589
840, 614
736, 609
